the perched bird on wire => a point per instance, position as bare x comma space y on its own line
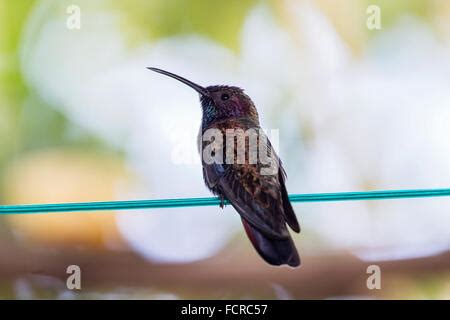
254, 181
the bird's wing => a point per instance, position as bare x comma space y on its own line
258, 197
288, 211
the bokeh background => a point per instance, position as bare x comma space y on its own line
81, 119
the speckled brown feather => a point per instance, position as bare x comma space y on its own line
258, 198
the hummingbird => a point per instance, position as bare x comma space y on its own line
260, 199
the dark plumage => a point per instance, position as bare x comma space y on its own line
260, 199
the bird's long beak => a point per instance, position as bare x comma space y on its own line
191, 84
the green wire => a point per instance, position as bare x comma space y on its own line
199, 202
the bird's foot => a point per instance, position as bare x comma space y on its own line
222, 202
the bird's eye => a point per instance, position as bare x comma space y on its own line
225, 96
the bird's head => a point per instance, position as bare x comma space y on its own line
219, 102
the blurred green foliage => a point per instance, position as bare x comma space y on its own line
26, 121
393, 10
216, 19
13, 14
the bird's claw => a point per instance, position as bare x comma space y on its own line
222, 202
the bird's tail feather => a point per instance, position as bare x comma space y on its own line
273, 251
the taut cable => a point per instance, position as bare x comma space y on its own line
200, 202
